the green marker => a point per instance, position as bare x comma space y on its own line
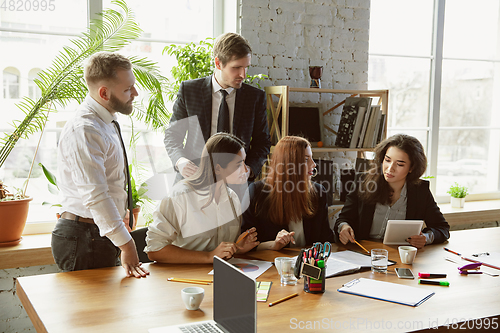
437, 283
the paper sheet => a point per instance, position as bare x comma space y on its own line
252, 268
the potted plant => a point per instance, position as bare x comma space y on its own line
64, 82
458, 194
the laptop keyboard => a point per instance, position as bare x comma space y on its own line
200, 328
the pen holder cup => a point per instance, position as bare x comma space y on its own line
314, 286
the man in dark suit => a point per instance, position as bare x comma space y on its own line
219, 103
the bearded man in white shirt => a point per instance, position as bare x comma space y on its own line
91, 165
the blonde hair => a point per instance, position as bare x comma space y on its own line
231, 44
103, 65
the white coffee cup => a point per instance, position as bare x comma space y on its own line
192, 297
407, 254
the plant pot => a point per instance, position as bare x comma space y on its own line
457, 202
136, 211
13, 216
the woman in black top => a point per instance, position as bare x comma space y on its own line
286, 207
392, 189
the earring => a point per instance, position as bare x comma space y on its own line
315, 172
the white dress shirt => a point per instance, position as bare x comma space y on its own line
91, 170
216, 99
180, 220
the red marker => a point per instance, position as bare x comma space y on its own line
431, 276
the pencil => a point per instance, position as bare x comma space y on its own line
188, 281
361, 246
284, 299
197, 280
242, 238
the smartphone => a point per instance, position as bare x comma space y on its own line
404, 273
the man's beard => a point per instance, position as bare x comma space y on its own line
119, 106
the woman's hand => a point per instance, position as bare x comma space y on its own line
346, 234
225, 250
282, 239
247, 240
418, 241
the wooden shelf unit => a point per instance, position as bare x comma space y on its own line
283, 104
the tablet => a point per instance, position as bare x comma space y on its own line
398, 231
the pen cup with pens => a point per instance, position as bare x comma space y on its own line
311, 264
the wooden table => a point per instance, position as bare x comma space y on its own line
102, 300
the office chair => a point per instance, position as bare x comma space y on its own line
139, 236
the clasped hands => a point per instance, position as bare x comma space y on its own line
246, 241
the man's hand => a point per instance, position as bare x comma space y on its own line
282, 239
130, 261
346, 234
186, 167
248, 240
225, 250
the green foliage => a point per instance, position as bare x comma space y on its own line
458, 191
195, 61
64, 82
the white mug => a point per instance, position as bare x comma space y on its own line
192, 297
407, 254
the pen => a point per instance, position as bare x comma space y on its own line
242, 238
437, 283
431, 276
458, 254
284, 299
361, 246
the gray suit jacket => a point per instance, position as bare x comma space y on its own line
249, 122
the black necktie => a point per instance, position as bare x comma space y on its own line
129, 186
223, 120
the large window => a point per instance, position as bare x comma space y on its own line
33, 38
442, 66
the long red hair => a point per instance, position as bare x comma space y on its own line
290, 193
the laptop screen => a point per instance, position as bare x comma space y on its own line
235, 304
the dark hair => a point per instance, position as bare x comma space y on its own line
289, 155
374, 188
231, 44
220, 149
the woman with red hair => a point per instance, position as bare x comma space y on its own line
286, 206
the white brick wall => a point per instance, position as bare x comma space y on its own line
288, 36
13, 317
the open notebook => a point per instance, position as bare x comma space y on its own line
345, 262
387, 291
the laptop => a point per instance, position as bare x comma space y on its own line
235, 304
398, 231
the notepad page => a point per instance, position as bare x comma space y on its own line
387, 291
355, 258
336, 267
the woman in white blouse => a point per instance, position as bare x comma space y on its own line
202, 217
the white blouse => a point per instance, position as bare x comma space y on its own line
180, 220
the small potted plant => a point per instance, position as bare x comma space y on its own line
458, 194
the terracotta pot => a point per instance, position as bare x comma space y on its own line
13, 216
136, 211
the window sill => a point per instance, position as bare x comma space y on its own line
33, 250
474, 212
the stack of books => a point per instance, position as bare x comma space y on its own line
362, 125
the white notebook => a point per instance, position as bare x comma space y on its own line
387, 291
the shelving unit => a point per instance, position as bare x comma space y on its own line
283, 104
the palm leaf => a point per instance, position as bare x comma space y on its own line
63, 81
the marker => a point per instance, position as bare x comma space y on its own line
431, 276
437, 283
458, 254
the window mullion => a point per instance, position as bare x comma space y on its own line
435, 87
